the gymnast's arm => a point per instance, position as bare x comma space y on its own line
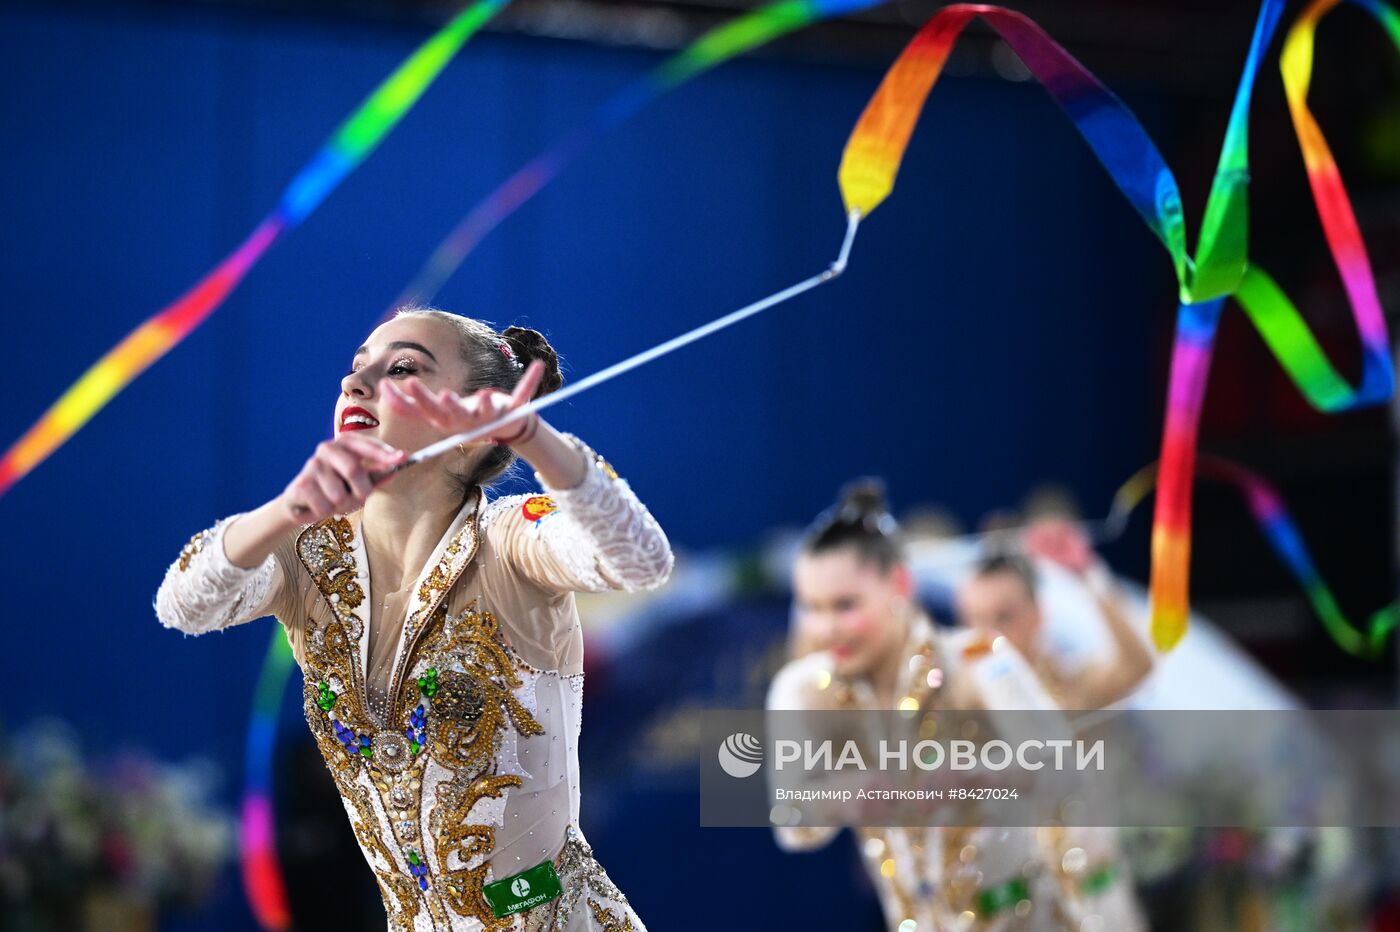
1104, 682
589, 533
216, 582
239, 569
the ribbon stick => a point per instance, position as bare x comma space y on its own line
447, 444
1271, 513
715, 47
355, 139
1218, 269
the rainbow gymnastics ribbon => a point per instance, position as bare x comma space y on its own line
1281, 326
351, 143
1220, 266
1270, 512
257, 834
735, 37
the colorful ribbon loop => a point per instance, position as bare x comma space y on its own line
877, 145
1220, 267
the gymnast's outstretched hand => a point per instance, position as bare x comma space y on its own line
1062, 542
453, 413
558, 462
337, 478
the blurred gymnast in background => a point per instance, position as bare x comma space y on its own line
860, 641
1000, 599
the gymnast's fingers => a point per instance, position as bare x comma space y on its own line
371, 449
306, 501
525, 388
348, 464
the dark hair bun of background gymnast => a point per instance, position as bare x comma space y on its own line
529, 345
860, 520
863, 498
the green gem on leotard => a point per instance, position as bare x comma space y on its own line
428, 682
418, 869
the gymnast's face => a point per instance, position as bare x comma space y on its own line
401, 349
1001, 603
847, 605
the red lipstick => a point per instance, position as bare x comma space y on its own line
357, 418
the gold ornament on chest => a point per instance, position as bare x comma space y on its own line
474, 701
456, 712
326, 550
